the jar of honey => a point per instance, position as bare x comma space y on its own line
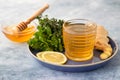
12, 34
79, 39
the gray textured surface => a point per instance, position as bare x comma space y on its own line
17, 64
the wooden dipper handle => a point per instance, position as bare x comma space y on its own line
37, 13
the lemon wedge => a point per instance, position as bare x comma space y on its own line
52, 57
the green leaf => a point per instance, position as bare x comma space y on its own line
48, 35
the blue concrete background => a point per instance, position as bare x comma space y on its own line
17, 64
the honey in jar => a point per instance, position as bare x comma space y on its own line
19, 36
79, 39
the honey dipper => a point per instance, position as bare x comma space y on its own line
23, 25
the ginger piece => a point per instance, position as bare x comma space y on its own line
102, 42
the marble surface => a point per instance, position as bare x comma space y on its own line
17, 64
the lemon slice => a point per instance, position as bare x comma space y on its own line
52, 57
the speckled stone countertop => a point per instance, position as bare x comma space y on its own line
17, 64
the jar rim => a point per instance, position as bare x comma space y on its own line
76, 21
86, 26
20, 33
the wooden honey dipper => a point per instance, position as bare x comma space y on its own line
23, 25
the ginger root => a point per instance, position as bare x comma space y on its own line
102, 42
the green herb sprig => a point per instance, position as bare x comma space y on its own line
48, 36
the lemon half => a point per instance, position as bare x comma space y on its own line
52, 57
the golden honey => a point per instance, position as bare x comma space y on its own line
16, 36
79, 41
